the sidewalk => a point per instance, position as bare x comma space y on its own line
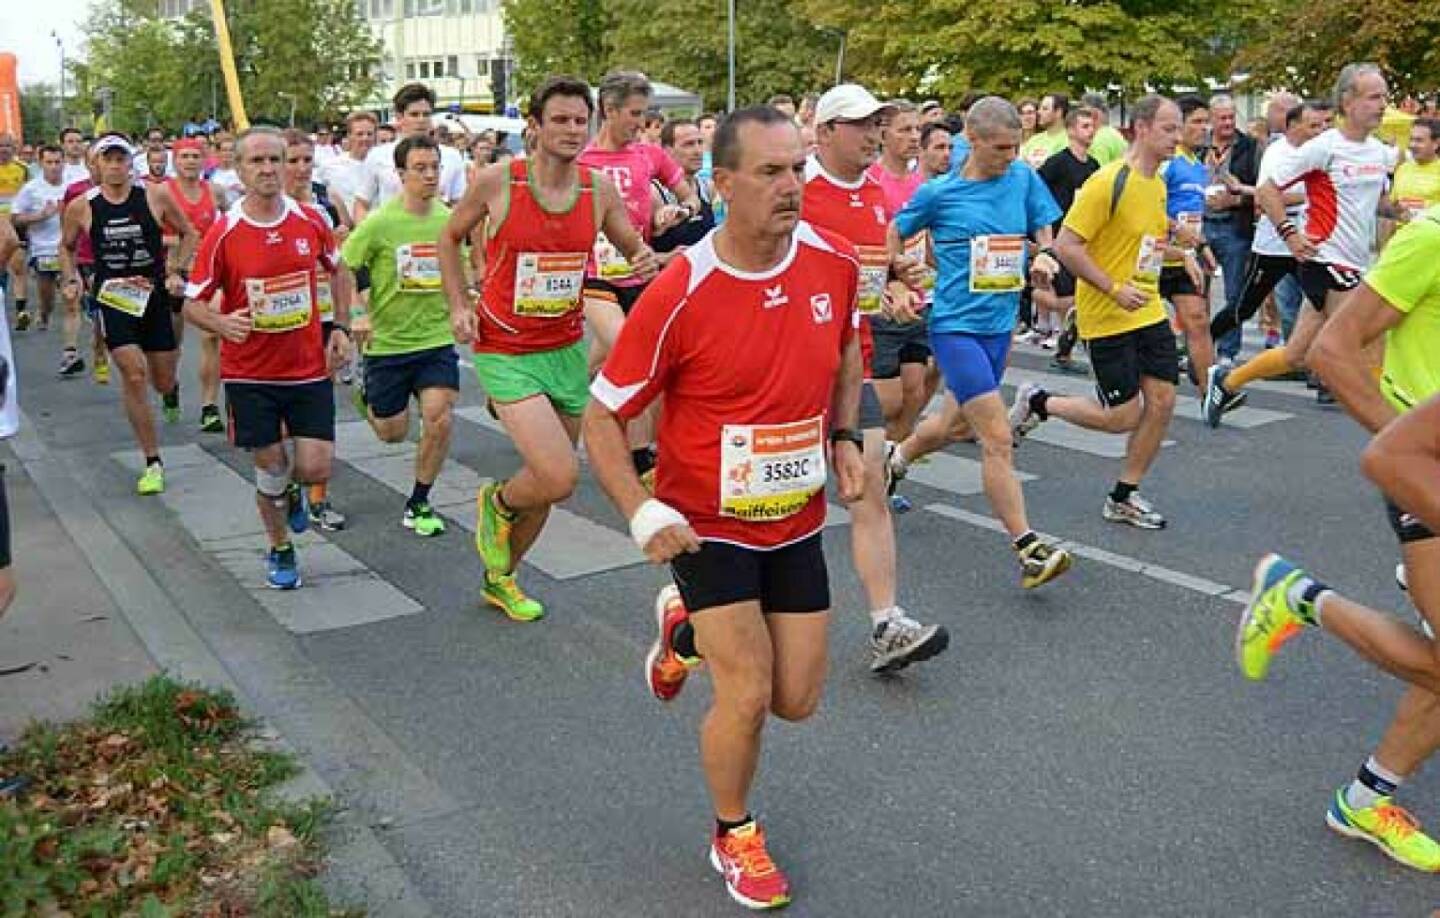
63, 642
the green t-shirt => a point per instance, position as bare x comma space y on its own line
1042, 146
408, 309
1408, 277
1108, 145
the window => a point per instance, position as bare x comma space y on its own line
424, 70
410, 70
452, 66
466, 7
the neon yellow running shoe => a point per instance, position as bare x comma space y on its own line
102, 374
1270, 619
152, 480
1387, 826
492, 530
505, 594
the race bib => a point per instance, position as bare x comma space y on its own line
1149, 263
279, 304
770, 471
129, 295
547, 284
610, 264
1193, 223
417, 265
997, 264
326, 298
1413, 206
918, 248
874, 272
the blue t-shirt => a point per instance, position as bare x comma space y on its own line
1185, 179
956, 210
959, 151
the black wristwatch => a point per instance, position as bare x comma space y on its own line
848, 434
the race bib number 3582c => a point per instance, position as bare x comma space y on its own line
770, 471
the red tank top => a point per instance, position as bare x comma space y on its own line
534, 269
200, 213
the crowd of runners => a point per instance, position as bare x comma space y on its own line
738, 315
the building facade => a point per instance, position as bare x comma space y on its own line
456, 47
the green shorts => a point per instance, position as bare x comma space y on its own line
561, 375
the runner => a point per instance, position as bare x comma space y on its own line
1109, 144
1399, 303
1064, 174
544, 213
1052, 137
1417, 180
72, 146
201, 201
131, 283
411, 347
262, 255
342, 175
1183, 278
13, 176
37, 212
841, 199
753, 596
1271, 261
75, 298
380, 180
224, 176
1344, 171
1114, 242
680, 139
315, 202
980, 218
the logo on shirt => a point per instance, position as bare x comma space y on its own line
273, 237
855, 199
620, 175
820, 309
302, 246
880, 215
775, 296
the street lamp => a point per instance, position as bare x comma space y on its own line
730, 53
291, 97
60, 44
841, 34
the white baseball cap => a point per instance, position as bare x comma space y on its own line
113, 142
848, 102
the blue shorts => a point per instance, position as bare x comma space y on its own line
971, 364
390, 379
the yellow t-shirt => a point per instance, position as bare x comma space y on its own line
13, 176
1129, 246
1417, 187
1408, 277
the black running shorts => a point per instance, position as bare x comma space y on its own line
792, 579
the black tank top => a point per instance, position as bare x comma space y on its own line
126, 238
691, 231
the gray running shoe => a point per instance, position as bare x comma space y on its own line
1135, 510
899, 641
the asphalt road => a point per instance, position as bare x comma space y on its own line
1085, 749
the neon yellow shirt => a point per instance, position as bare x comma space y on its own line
1417, 186
1407, 276
13, 176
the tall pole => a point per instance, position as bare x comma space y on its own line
59, 43
227, 65
730, 104
840, 59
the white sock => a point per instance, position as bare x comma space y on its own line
882, 615
1361, 794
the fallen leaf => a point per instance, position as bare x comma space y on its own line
280, 837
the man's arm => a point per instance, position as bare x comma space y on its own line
469, 213
845, 455
25, 217
9, 242
615, 223
1404, 462
1338, 355
1070, 249
164, 209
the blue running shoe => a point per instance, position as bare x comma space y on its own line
282, 569
297, 508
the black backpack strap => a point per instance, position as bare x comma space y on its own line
1122, 175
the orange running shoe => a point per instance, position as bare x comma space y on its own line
666, 670
750, 875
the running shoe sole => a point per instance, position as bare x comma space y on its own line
1338, 825
1257, 589
753, 904
299, 582
657, 648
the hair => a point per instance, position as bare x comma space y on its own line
902, 106
385, 127
707, 116
1349, 78
1096, 101
667, 133
991, 114
403, 148
726, 152
954, 123
411, 93
66, 132
970, 98
780, 98
153, 129
1059, 101
1430, 124
619, 85
353, 117
1073, 116
55, 148
1148, 107
294, 137
259, 130
1222, 100
654, 116
1191, 103
1018, 105
931, 129
563, 85
1295, 112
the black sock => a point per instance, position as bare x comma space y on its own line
172, 398
1122, 491
1025, 541
420, 494
1037, 404
722, 826
643, 458
153, 460
20, 304
683, 640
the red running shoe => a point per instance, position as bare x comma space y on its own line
750, 875
666, 670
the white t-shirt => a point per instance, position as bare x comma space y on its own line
74, 172
230, 186
44, 236
380, 180
1267, 238
342, 176
10, 410
1344, 181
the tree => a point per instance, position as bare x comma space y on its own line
1303, 45
317, 55
558, 36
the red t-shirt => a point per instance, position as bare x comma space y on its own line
631, 168
747, 365
84, 254
855, 212
534, 267
270, 269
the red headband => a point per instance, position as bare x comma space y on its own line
188, 143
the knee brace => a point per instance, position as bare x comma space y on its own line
272, 483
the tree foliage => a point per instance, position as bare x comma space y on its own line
558, 36
318, 53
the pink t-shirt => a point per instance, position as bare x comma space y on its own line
631, 169
898, 191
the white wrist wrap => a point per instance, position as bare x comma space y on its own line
652, 517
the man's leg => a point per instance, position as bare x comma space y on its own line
872, 542
735, 642
604, 317
1194, 314
1158, 397
1232, 251
1289, 300
274, 477
1414, 734
545, 440
45, 287
132, 365
209, 369
990, 421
